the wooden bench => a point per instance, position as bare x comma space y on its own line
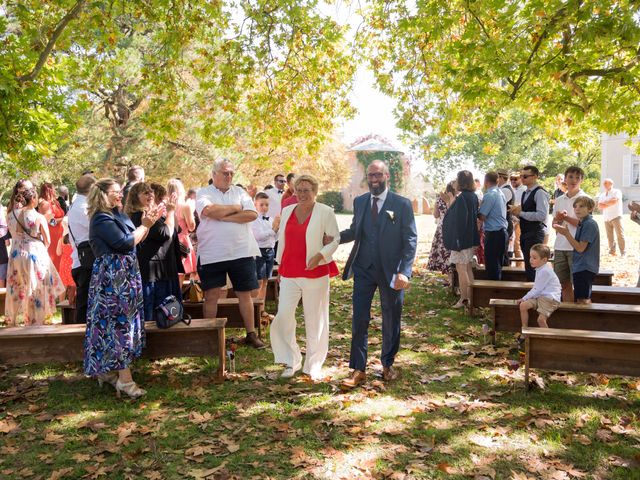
272, 290
516, 274
482, 291
64, 343
594, 316
612, 353
230, 309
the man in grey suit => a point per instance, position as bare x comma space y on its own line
384, 231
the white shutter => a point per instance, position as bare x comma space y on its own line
626, 170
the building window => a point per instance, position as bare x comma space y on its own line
635, 170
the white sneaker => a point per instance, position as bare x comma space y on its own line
289, 372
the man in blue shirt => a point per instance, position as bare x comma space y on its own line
493, 212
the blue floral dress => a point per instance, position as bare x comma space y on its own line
115, 333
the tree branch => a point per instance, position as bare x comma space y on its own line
44, 55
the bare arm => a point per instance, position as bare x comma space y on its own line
187, 213
44, 230
218, 212
244, 216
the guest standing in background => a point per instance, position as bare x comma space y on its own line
49, 207
610, 204
493, 214
115, 333
156, 253
33, 283
532, 213
460, 233
439, 256
82, 256
186, 222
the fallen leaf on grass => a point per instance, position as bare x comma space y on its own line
8, 426
81, 457
54, 438
203, 474
446, 468
58, 474
200, 418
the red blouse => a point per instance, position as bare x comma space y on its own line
294, 257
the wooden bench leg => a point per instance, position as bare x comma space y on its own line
221, 372
526, 364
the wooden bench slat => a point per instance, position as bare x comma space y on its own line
580, 307
612, 353
566, 333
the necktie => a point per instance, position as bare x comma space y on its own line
265, 218
280, 192
374, 210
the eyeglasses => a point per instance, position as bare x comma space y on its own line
375, 175
227, 174
527, 176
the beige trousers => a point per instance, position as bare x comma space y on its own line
610, 227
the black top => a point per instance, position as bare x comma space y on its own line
459, 225
157, 252
530, 228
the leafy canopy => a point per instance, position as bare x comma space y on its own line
457, 65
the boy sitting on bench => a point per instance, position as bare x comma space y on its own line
545, 294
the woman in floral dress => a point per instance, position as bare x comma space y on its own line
115, 316
33, 284
439, 256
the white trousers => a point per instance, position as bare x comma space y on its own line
315, 303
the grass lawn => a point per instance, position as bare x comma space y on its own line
457, 412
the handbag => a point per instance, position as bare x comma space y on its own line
193, 292
169, 312
184, 250
85, 253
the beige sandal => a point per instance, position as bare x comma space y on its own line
130, 388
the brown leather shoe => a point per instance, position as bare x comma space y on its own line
253, 340
389, 374
358, 377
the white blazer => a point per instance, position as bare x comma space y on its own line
322, 221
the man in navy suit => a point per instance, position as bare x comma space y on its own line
384, 231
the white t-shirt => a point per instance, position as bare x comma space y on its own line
563, 202
518, 194
614, 211
78, 219
221, 241
275, 202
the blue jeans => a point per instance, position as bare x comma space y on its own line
155, 292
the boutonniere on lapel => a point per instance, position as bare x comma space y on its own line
392, 215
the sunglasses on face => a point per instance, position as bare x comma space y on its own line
527, 176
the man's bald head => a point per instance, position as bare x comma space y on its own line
83, 185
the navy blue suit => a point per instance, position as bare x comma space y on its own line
382, 249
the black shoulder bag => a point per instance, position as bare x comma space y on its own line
85, 254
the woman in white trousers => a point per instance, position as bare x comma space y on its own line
305, 266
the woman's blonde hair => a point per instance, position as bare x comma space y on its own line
98, 199
309, 179
176, 185
133, 204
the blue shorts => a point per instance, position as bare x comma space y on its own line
582, 284
241, 271
264, 263
3, 271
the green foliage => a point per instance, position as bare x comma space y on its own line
333, 199
202, 78
517, 141
459, 64
393, 161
